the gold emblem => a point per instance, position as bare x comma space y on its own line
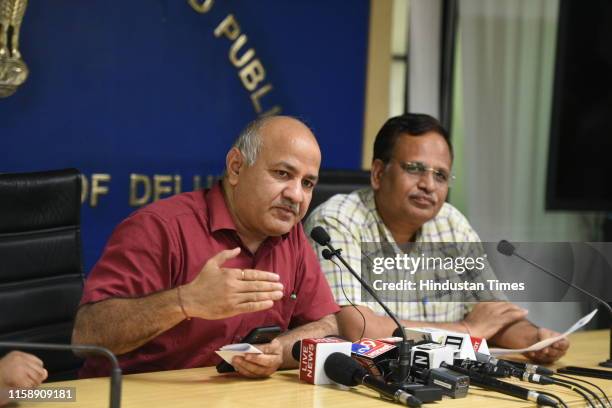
13, 70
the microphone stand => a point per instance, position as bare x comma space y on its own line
115, 377
506, 248
402, 369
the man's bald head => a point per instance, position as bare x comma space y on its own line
251, 139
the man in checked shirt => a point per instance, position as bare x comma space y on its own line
410, 177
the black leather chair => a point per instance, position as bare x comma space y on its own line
332, 182
41, 273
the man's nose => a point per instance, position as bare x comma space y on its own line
427, 182
294, 191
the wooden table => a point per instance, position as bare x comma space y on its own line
203, 387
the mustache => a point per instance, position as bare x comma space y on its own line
289, 205
427, 197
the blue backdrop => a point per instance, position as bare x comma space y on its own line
145, 87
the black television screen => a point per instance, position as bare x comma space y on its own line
580, 155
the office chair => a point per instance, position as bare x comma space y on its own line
332, 182
41, 273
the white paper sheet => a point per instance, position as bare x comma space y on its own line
545, 343
229, 351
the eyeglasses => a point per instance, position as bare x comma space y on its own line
419, 169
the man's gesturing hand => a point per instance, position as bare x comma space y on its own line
487, 318
217, 292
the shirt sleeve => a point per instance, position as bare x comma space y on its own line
138, 260
314, 298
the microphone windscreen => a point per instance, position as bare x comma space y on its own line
505, 248
327, 254
342, 369
296, 350
319, 235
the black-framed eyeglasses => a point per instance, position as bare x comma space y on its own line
419, 169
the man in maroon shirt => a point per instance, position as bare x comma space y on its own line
186, 275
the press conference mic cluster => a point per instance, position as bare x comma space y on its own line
451, 363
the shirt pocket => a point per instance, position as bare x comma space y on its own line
282, 312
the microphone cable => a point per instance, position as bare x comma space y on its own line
539, 379
577, 391
344, 293
363, 253
580, 389
587, 382
485, 368
555, 397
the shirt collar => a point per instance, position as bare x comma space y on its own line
385, 232
220, 218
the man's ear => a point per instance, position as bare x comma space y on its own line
376, 173
234, 163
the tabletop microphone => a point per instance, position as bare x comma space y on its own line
451, 383
402, 365
346, 371
493, 370
115, 376
426, 360
506, 248
312, 354
493, 384
374, 356
507, 364
530, 368
525, 372
296, 349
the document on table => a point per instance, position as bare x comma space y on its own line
545, 343
229, 351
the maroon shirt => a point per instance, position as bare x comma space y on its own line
166, 244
